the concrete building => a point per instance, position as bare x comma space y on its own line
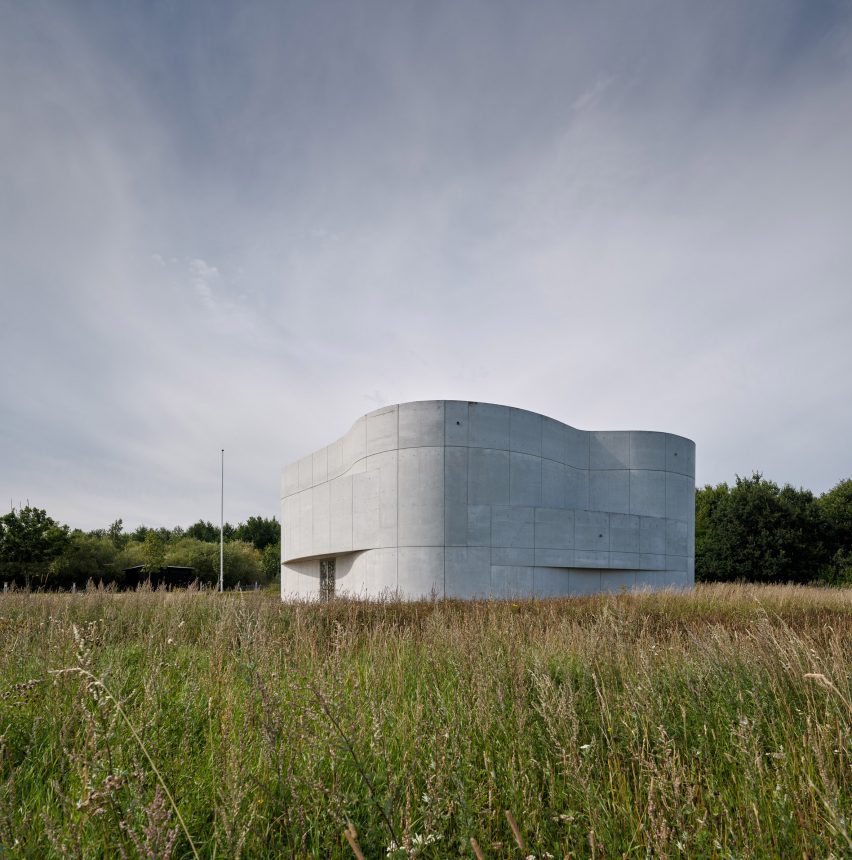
462, 499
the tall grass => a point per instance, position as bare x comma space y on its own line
712, 724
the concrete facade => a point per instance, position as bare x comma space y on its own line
459, 499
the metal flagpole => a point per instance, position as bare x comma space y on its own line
222, 529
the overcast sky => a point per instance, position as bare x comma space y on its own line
243, 225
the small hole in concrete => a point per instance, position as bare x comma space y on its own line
459, 423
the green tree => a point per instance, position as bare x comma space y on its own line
154, 552
116, 534
206, 531
29, 541
86, 556
271, 561
760, 532
836, 507
259, 531
243, 563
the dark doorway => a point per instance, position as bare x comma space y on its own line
327, 578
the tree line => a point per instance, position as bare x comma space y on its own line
758, 531
36, 551
753, 530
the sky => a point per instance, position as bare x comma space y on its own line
243, 225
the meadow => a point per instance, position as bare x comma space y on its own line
190, 724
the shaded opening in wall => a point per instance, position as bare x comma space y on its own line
327, 578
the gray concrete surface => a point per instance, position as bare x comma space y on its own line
461, 499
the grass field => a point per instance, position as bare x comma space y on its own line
712, 724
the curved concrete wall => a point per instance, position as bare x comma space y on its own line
463, 499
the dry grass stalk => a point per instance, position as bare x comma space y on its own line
352, 838
516, 831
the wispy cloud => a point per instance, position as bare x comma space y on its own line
244, 227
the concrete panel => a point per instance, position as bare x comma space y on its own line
651, 561
488, 476
421, 423
467, 525
512, 555
421, 525
647, 450
554, 440
680, 455
676, 562
455, 476
591, 558
680, 497
615, 582
386, 464
674, 579
610, 491
467, 571
357, 468
553, 484
652, 535
299, 580
488, 426
365, 510
383, 430
690, 458
455, 422
291, 479
306, 472
304, 527
455, 525
577, 448
545, 557
624, 533
554, 528
350, 575
321, 537
690, 570
550, 582
524, 479
609, 450
421, 475
582, 582
624, 560
287, 515
591, 530
381, 572
335, 459
525, 432
511, 582
647, 493
576, 488
512, 526
420, 572
320, 466
355, 444
690, 537
648, 580
479, 525
340, 502
421, 497
677, 537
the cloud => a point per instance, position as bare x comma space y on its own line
245, 227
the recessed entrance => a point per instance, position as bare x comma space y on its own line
327, 578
